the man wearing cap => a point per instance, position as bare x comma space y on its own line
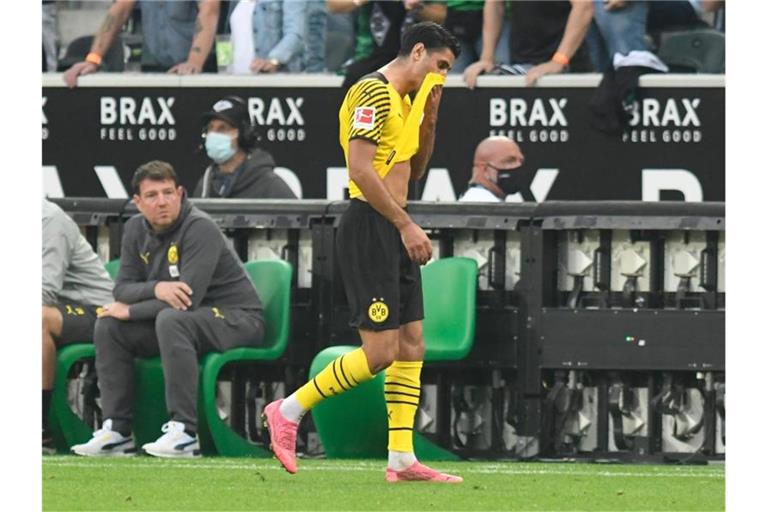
239, 170
495, 173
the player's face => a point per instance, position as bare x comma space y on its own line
438, 61
435, 61
159, 202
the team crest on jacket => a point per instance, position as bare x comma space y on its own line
173, 254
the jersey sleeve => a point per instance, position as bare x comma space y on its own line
369, 105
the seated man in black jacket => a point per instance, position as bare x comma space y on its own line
239, 169
181, 292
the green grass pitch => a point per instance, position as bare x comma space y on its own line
144, 483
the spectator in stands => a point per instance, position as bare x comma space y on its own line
268, 35
239, 168
379, 27
75, 285
178, 37
618, 26
181, 292
464, 20
50, 36
546, 38
495, 173
314, 42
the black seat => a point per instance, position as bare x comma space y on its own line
693, 51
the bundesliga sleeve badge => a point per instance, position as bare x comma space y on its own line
365, 118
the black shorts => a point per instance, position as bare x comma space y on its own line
77, 323
382, 283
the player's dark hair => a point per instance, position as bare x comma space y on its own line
156, 170
432, 35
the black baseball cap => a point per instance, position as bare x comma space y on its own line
231, 109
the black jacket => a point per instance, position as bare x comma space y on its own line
194, 251
254, 179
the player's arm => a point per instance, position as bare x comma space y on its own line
361, 171
420, 160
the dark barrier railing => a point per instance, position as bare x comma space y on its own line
600, 325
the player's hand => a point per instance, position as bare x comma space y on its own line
417, 243
116, 310
186, 68
547, 68
410, 4
476, 69
433, 103
81, 68
176, 293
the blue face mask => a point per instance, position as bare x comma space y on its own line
219, 147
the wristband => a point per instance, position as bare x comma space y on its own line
93, 58
560, 58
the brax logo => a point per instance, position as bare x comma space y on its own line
281, 115
145, 119
522, 120
517, 112
129, 111
674, 120
672, 112
282, 111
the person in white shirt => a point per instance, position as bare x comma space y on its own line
495, 171
267, 36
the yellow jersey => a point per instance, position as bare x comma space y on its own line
374, 111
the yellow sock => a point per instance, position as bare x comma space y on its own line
402, 389
342, 374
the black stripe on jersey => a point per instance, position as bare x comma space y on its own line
374, 96
366, 90
400, 393
314, 381
373, 87
382, 102
390, 383
402, 402
364, 137
400, 428
336, 376
343, 373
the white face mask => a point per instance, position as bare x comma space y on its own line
219, 147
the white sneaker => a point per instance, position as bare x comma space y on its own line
106, 443
174, 443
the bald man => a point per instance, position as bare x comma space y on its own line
494, 174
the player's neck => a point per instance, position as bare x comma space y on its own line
397, 74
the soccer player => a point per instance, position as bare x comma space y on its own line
381, 248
